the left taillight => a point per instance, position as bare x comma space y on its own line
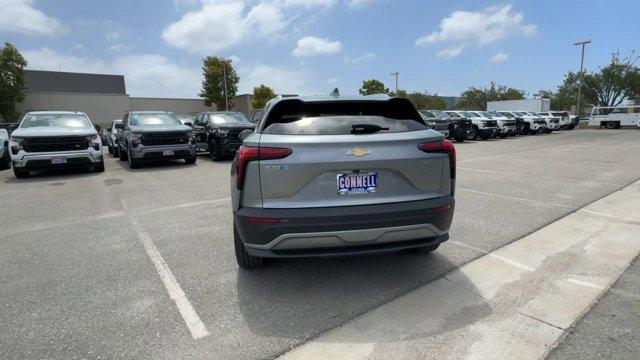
445, 147
246, 154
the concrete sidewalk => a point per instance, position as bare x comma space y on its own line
611, 329
513, 303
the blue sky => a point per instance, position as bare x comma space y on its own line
311, 46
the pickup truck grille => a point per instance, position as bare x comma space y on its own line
234, 135
539, 121
509, 122
490, 123
165, 138
54, 144
465, 124
555, 121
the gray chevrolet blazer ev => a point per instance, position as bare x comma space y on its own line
337, 175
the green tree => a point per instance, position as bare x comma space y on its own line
13, 83
373, 86
477, 98
261, 95
213, 86
615, 83
427, 101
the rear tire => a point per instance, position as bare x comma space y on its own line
20, 173
611, 125
460, 138
190, 160
243, 258
110, 149
426, 248
5, 161
502, 136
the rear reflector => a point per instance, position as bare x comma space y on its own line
263, 220
441, 208
247, 154
445, 147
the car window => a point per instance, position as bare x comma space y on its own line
439, 113
62, 120
199, 121
296, 117
153, 119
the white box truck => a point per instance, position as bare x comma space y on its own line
530, 105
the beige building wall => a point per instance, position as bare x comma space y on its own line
176, 106
101, 108
243, 104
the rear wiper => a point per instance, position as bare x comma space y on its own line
366, 128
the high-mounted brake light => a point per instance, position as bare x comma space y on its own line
444, 146
247, 154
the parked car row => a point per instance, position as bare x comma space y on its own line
464, 125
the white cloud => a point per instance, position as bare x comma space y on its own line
499, 57
212, 28
359, 59
113, 35
311, 46
145, 74
282, 79
222, 24
20, 16
332, 81
359, 3
465, 28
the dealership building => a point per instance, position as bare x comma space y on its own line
102, 97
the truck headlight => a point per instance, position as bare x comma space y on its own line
15, 143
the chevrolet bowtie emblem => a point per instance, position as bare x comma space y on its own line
358, 152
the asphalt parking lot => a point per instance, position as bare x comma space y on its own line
77, 280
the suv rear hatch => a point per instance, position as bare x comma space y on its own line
351, 153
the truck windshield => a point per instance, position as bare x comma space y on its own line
231, 118
154, 119
427, 113
440, 113
63, 120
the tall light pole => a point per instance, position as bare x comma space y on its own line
583, 43
396, 75
224, 74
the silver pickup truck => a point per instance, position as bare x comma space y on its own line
55, 139
155, 135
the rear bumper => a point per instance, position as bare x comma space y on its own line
345, 230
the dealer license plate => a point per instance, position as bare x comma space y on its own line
357, 183
58, 160
167, 152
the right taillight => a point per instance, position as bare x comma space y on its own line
445, 147
247, 154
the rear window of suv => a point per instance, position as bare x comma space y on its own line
296, 117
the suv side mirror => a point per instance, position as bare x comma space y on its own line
245, 134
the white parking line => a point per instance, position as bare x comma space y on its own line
191, 318
535, 202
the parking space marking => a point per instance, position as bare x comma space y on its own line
196, 326
629, 220
495, 256
532, 175
189, 204
534, 202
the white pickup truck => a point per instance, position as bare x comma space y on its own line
55, 139
482, 127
